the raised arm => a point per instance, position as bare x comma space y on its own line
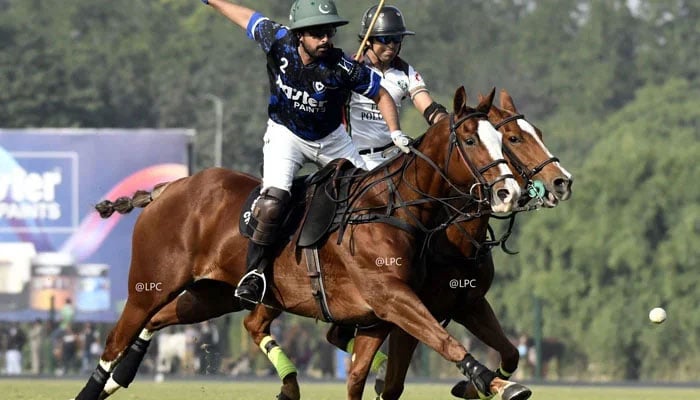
239, 15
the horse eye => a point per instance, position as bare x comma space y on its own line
513, 139
470, 141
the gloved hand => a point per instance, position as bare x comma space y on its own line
401, 141
205, 2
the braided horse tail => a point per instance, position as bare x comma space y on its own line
124, 205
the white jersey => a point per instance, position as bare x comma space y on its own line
365, 123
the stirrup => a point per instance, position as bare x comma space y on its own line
262, 292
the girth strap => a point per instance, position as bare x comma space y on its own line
313, 266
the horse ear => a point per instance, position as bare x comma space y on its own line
485, 103
507, 102
460, 101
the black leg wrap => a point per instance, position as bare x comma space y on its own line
94, 385
460, 389
379, 387
128, 366
478, 374
345, 334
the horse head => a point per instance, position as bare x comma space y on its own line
537, 170
474, 156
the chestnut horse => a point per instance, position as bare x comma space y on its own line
189, 233
461, 257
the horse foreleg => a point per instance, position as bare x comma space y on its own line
397, 303
367, 342
481, 321
257, 323
202, 301
401, 348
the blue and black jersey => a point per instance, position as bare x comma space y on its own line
308, 99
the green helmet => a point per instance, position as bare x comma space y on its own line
389, 22
305, 13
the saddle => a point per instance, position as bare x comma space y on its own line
318, 202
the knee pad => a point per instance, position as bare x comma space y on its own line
268, 214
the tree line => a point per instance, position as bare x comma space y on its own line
613, 87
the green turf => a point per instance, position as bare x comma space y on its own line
26, 389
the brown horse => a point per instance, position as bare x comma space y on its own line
462, 266
189, 234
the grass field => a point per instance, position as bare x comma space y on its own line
32, 389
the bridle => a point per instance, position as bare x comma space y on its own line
520, 167
384, 213
532, 189
478, 173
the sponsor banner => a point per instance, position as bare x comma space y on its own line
50, 180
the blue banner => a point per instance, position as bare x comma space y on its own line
53, 245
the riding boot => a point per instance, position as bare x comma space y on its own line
250, 289
265, 219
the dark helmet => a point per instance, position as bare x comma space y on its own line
389, 22
306, 13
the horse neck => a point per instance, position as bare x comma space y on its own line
465, 234
415, 179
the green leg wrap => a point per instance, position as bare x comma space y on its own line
503, 374
379, 357
351, 346
279, 360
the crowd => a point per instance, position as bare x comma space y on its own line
38, 348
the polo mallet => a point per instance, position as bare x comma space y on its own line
369, 30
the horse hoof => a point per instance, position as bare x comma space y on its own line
465, 390
283, 396
516, 391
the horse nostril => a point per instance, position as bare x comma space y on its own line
562, 183
503, 194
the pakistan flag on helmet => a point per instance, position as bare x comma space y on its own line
306, 13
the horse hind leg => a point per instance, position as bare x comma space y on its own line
130, 323
257, 323
367, 342
139, 308
343, 337
204, 300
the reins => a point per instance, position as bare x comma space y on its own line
386, 212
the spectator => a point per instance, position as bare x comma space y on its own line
36, 340
95, 348
16, 339
69, 352
89, 338
67, 315
208, 349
